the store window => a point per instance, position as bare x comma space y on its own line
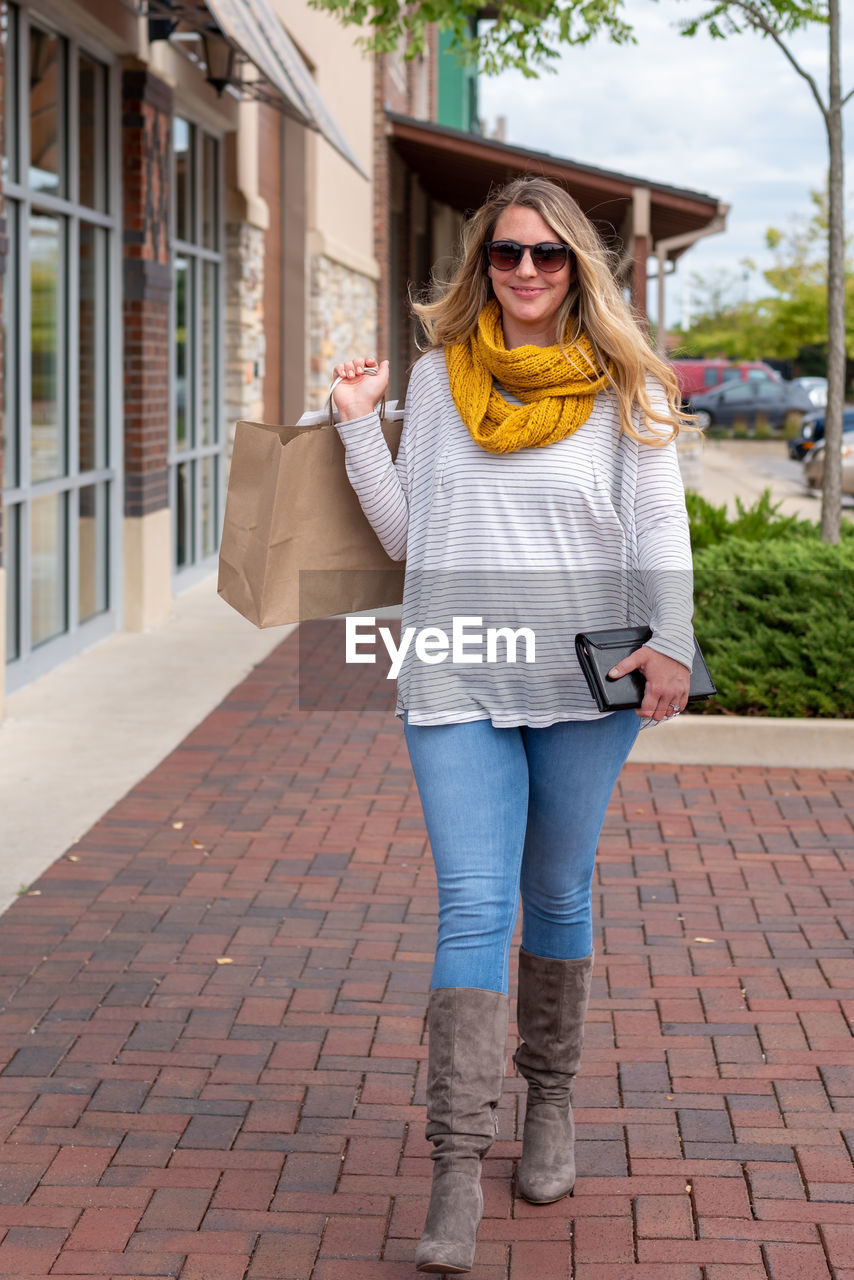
197, 444
59, 350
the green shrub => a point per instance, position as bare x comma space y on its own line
757, 523
792, 424
763, 429
775, 619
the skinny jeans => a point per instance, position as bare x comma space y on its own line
509, 811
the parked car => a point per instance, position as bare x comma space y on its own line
749, 402
812, 431
814, 464
816, 389
696, 376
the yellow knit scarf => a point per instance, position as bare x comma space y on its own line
557, 395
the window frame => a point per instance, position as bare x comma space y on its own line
194, 452
22, 203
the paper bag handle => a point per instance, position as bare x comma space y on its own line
329, 405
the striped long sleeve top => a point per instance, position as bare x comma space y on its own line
589, 532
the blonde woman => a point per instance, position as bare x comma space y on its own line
536, 482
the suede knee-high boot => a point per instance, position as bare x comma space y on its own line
467, 1029
552, 1004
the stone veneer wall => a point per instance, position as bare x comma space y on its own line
343, 320
245, 342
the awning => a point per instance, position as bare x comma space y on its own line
255, 30
458, 169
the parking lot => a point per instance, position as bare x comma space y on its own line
743, 468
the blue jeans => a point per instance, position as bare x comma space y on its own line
511, 809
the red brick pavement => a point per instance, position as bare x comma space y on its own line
213, 1018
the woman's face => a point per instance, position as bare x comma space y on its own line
529, 299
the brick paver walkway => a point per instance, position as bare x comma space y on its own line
213, 1017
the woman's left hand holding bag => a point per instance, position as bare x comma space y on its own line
667, 682
363, 385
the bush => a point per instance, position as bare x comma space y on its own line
792, 424
762, 521
775, 619
774, 610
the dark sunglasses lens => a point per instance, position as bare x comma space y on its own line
549, 257
504, 255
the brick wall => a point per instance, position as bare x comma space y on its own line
433, 50
398, 86
146, 153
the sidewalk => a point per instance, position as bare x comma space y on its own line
213, 1012
75, 741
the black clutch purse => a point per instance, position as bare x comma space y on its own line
599, 651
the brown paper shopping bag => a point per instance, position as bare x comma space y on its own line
295, 542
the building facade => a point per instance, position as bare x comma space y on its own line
173, 259
205, 205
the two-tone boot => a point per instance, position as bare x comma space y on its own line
467, 1029
552, 1005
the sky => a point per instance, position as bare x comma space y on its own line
729, 118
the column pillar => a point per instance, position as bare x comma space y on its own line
294, 216
147, 286
382, 210
246, 220
641, 245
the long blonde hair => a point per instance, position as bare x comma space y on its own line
593, 304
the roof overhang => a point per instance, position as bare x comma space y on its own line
458, 169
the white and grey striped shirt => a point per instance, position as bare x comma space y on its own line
589, 532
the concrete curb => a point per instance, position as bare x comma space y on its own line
748, 740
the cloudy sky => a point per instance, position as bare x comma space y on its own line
731, 118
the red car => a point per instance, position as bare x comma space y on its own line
696, 376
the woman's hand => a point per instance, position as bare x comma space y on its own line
667, 682
358, 393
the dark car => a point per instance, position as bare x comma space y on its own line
749, 402
812, 430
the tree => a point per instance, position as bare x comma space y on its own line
721, 293
528, 35
787, 324
799, 277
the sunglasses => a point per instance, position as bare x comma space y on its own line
505, 255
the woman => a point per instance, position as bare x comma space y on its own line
537, 473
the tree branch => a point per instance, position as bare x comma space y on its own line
758, 19
849, 95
